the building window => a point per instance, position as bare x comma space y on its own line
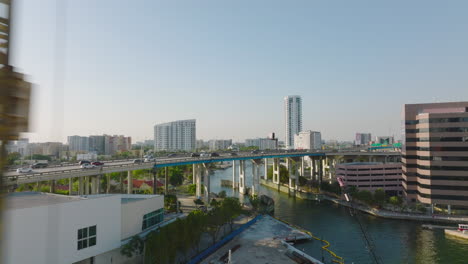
86, 237
153, 218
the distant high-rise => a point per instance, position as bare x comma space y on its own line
362, 139
77, 143
174, 136
293, 114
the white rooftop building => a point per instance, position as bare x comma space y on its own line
308, 140
49, 228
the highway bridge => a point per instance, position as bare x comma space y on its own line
320, 160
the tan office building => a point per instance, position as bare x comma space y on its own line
435, 154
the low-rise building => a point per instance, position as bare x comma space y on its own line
262, 143
308, 140
219, 144
372, 176
49, 228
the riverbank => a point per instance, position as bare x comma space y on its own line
456, 233
367, 210
263, 242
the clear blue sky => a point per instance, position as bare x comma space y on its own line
132, 64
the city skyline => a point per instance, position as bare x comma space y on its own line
343, 60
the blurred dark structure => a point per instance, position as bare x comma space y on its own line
14, 100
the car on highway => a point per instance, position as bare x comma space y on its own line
233, 154
214, 154
254, 152
136, 161
24, 170
204, 154
171, 155
39, 165
84, 162
150, 159
194, 155
97, 163
87, 166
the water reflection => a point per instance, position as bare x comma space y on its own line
395, 241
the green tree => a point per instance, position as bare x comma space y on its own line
134, 247
379, 196
222, 194
12, 157
364, 196
302, 181
233, 209
395, 200
41, 157
192, 189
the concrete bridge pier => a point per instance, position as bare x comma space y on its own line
129, 182
302, 169
206, 182
80, 186
242, 189
321, 169
313, 169
265, 175
198, 181
234, 176
276, 171
86, 185
256, 176
108, 186
293, 177
166, 180
194, 169
52, 186
70, 185
155, 180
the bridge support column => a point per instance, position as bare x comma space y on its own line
256, 177
52, 186
121, 184
206, 183
97, 184
234, 176
242, 177
276, 171
86, 182
449, 209
293, 179
198, 181
70, 185
321, 169
80, 186
313, 169
302, 170
155, 180
194, 168
166, 181
129, 182
108, 183
265, 175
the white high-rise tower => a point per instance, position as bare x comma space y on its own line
293, 114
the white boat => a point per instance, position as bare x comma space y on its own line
463, 227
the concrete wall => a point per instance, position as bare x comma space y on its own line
133, 212
48, 234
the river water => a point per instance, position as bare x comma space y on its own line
394, 241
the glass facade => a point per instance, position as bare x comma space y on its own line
153, 218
